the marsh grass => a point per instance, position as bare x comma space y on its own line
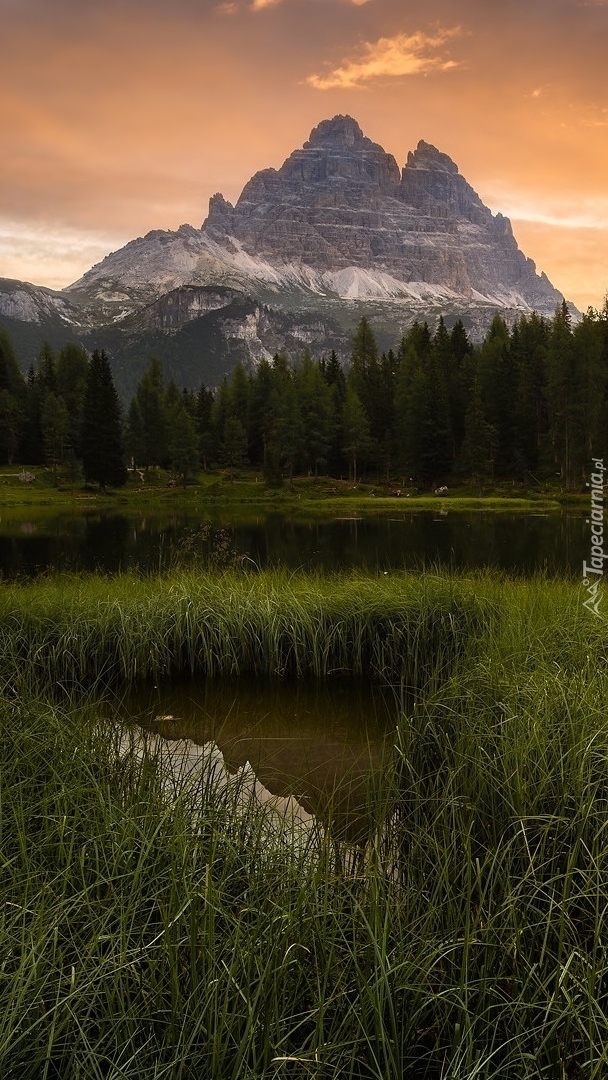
77, 632
138, 940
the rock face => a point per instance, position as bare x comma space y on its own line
33, 304
338, 231
341, 202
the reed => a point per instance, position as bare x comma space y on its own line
138, 939
77, 632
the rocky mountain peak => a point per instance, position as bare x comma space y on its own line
427, 156
339, 133
337, 221
341, 206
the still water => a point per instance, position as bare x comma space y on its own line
324, 741
109, 542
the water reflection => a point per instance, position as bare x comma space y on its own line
109, 542
325, 741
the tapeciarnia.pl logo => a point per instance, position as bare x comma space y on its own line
596, 521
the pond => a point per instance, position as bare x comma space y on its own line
110, 542
324, 741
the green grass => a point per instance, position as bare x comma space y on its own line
75, 632
311, 495
138, 940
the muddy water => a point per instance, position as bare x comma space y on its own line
326, 742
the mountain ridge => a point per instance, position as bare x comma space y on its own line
338, 230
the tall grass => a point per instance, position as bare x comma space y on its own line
140, 941
78, 631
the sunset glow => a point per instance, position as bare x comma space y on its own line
122, 118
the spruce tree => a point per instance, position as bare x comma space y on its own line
55, 420
12, 400
151, 400
71, 372
234, 444
356, 430
102, 445
183, 446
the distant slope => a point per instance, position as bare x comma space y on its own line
338, 231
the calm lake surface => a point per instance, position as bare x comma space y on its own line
110, 542
324, 741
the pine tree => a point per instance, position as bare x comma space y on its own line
102, 445
204, 410
317, 414
477, 452
183, 440
71, 378
284, 423
234, 444
11, 425
55, 421
356, 430
151, 399
498, 385
12, 400
134, 434
336, 380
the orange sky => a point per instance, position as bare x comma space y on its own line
117, 118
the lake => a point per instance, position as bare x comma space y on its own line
521, 543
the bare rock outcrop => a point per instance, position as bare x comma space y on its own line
341, 201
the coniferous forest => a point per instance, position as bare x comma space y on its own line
529, 404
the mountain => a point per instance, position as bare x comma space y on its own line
338, 231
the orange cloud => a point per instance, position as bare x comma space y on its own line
404, 54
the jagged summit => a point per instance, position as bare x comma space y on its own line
341, 203
338, 230
339, 219
341, 133
427, 156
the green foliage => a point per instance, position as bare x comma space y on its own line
317, 415
478, 447
542, 399
183, 444
234, 444
102, 444
55, 425
71, 377
355, 429
154, 934
151, 400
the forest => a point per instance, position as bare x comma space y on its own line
529, 403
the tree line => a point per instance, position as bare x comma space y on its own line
530, 402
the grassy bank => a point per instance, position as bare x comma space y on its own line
78, 632
138, 943
309, 495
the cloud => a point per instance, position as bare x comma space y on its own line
404, 54
259, 5
579, 213
54, 254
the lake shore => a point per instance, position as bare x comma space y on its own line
320, 496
